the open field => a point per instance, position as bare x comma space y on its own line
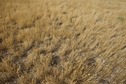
62, 41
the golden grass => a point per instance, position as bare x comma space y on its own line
62, 42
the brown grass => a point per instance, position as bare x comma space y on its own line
62, 42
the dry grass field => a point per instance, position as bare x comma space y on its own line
62, 41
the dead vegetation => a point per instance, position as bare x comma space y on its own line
62, 42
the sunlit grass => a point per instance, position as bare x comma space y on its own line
62, 42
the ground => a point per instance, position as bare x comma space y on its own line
62, 41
